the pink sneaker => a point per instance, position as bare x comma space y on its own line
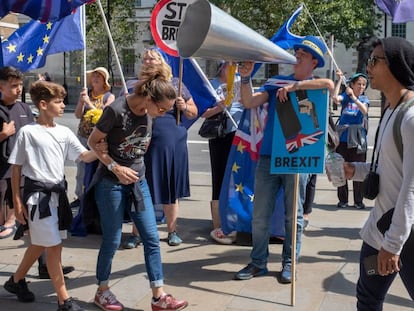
107, 301
168, 303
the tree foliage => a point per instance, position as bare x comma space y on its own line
122, 25
349, 21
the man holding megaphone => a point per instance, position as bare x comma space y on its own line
309, 55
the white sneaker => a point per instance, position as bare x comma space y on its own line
218, 236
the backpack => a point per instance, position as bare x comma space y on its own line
397, 125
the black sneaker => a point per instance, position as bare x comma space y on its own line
20, 289
75, 203
44, 274
359, 205
69, 305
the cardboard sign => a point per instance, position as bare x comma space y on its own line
300, 132
165, 20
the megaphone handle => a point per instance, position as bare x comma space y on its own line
180, 87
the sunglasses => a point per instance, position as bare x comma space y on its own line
372, 61
160, 109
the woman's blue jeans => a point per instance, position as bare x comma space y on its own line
371, 289
265, 189
113, 199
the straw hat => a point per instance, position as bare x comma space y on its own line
103, 72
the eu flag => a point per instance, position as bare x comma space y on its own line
28, 46
237, 191
43, 10
284, 38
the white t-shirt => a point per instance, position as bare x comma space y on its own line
42, 153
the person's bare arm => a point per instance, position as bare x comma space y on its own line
314, 84
19, 209
124, 174
249, 99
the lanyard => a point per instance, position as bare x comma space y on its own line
385, 126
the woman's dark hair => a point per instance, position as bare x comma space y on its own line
154, 82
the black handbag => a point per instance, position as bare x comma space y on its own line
214, 127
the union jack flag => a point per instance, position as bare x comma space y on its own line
300, 140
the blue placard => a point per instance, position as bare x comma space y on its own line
300, 132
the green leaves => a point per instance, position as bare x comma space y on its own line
347, 20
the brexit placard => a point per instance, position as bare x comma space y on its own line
300, 132
165, 21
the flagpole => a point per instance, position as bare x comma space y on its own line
294, 231
180, 84
111, 41
83, 11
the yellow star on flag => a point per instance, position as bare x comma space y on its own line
39, 51
251, 196
46, 39
235, 168
239, 188
20, 57
240, 147
30, 59
11, 47
49, 25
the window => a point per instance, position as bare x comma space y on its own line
128, 62
399, 30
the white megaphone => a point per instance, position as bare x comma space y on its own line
209, 32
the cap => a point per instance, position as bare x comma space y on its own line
314, 46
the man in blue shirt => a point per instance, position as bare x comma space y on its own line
309, 55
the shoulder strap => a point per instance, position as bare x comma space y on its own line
4, 114
397, 125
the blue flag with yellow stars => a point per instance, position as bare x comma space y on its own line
43, 10
28, 47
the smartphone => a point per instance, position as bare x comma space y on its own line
371, 265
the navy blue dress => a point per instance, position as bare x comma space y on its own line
166, 160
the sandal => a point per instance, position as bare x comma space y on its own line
4, 229
218, 236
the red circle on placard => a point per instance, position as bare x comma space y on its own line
154, 29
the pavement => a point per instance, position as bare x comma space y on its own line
202, 271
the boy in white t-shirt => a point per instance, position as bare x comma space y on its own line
39, 154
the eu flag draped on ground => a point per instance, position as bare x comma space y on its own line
402, 11
43, 10
28, 46
196, 82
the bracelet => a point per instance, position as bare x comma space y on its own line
246, 80
297, 87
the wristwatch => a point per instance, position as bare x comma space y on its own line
111, 165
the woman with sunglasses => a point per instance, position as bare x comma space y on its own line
166, 160
120, 186
352, 128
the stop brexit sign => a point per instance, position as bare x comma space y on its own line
165, 21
